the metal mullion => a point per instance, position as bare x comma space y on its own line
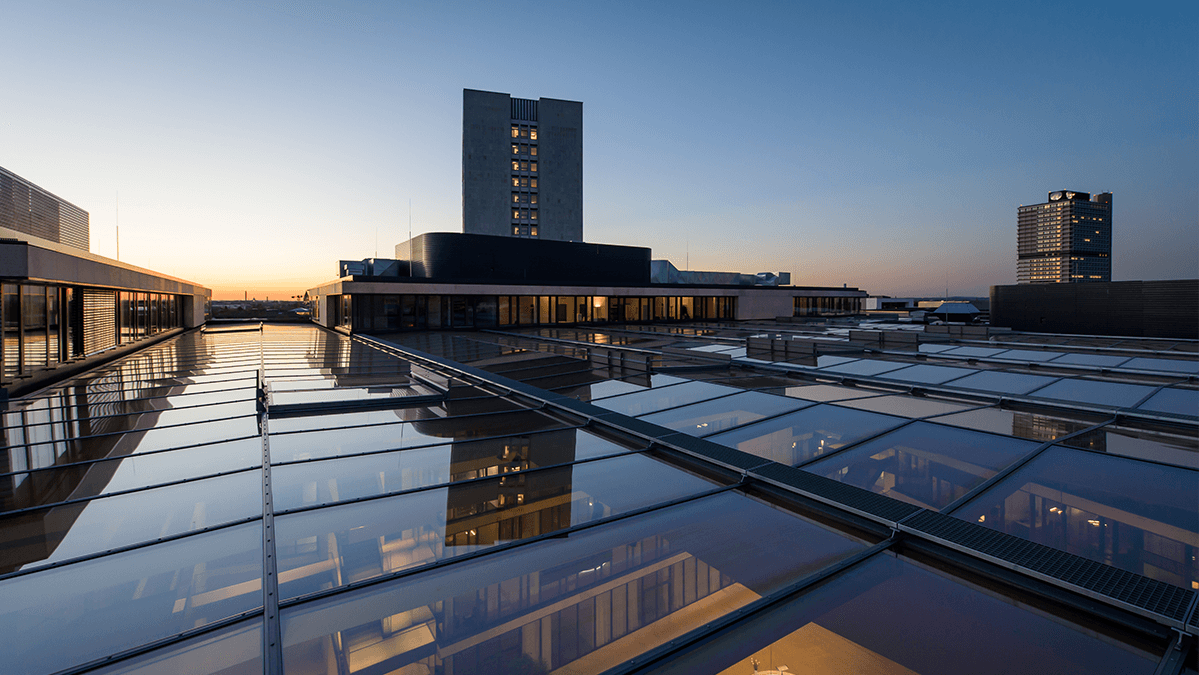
748, 612
556, 534
416, 447
118, 493
128, 547
124, 457
435, 486
1174, 660
949, 508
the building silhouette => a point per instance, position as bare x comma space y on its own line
522, 166
1068, 239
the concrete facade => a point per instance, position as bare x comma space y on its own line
522, 166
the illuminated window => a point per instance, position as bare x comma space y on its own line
534, 134
533, 231
531, 166
533, 214
533, 150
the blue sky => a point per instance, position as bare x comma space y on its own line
881, 145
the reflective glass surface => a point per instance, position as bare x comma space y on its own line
809, 433
926, 374
865, 367
1035, 355
642, 402
829, 392
335, 545
972, 352
84, 528
1002, 383
1163, 365
891, 616
117, 602
923, 464
1173, 401
907, 406
324, 482
1170, 448
1098, 360
1021, 424
703, 419
596, 390
1095, 392
585, 602
235, 650
286, 447
48, 486
1137, 516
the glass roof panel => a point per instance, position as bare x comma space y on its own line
829, 392
907, 406
642, 402
923, 464
709, 417
999, 382
1028, 355
1095, 392
865, 367
1018, 423
1177, 449
1134, 515
84, 528
927, 374
891, 616
1164, 365
972, 352
34, 488
597, 390
118, 602
812, 432
291, 446
331, 546
234, 650
935, 348
325, 482
1097, 360
1173, 401
585, 601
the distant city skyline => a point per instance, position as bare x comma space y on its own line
882, 146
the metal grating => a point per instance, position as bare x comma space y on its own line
1133, 589
864, 501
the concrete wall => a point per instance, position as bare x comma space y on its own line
560, 141
486, 167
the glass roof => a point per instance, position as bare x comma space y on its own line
388, 511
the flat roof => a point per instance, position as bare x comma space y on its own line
679, 498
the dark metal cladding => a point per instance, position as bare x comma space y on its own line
1160, 309
1148, 594
453, 256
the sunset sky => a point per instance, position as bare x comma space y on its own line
882, 145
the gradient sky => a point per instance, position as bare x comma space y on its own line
882, 145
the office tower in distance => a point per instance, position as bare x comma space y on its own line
29, 209
522, 166
1068, 239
